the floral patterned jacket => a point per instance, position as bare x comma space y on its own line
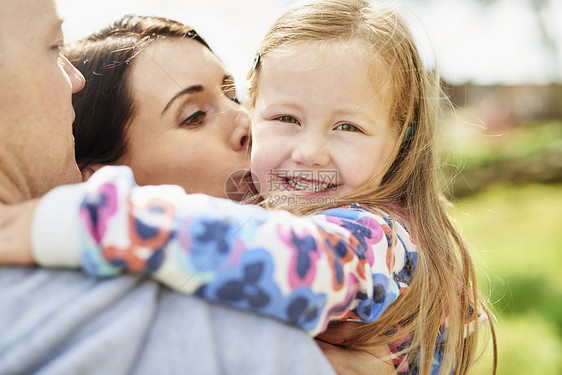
347, 263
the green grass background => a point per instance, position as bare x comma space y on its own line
515, 231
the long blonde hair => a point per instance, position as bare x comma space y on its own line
444, 285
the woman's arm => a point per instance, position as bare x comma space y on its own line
347, 361
374, 359
346, 264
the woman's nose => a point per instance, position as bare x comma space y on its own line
77, 80
240, 134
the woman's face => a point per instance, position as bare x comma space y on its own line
187, 128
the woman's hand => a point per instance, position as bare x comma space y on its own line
374, 360
354, 362
15, 233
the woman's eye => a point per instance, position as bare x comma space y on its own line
347, 128
195, 119
288, 119
57, 48
229, 90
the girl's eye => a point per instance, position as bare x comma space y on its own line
288, 119
195, 119
57, 48
347, 128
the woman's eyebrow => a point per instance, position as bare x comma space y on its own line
56, 28
187, 91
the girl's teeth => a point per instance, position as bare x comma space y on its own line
301, 185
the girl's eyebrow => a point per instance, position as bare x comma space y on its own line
282, 103
187, 91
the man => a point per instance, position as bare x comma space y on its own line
62, 322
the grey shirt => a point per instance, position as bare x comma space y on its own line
63, 322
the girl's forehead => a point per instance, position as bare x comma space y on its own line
319, 47
299, 56
313, 54
337, 71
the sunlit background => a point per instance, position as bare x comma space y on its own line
501, 62
483, 41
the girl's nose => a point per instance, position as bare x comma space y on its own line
77, 80
311, 150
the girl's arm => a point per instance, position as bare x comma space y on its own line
346, 264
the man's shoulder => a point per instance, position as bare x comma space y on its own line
48, 316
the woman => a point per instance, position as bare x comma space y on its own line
158, 100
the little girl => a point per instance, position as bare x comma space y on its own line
344, 118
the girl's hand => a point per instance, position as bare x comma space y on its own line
15, 233
374, 360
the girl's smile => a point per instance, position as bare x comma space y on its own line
303, 185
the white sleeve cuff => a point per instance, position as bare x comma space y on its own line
54, 230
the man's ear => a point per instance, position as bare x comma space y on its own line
89, 170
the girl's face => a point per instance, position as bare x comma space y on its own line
188, 128
321, 124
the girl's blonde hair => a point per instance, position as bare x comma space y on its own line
444, 286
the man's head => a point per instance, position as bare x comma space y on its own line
36, 85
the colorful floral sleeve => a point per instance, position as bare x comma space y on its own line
347, 263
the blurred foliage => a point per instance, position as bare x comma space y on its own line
515, 231
478, 150
474, 159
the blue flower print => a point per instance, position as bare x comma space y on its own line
343, 213
144, 230
304, 308
215, 232
361, 233
384, 292
251, 286
340, 251
247, 288
404, 277
155, 261
91, 204
210, 245
304, 247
